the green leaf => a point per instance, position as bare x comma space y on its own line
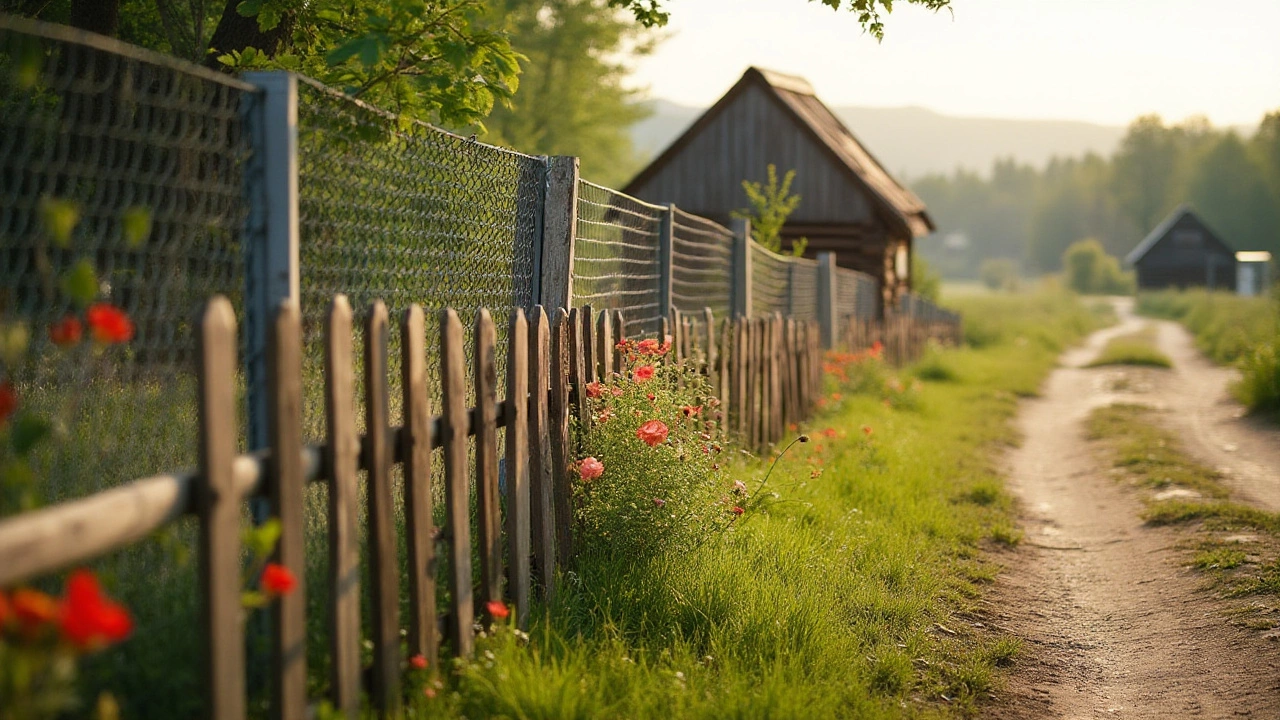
28, 430
252, 599
135, 224
17, 477
80, 283
262, 540
59, 218
14, 338
348, 50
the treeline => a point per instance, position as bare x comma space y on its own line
1031, 216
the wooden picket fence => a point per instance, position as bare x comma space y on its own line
902, 336
767, 369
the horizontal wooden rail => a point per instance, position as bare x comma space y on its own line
80, 530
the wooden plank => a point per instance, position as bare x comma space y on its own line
619, 336
516, 410
285, 484
343, 450
454, 428
677, 337
576, 363
753, 384
419, 524
604, 346
710, 354
562, 361
559, 229
738, 399
219, 510
774, 349
588, 348
488, 502
385, 565
540, 466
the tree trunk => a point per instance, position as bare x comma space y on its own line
99, 16
236, 32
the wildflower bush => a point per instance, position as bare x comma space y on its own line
652, 478
865, 373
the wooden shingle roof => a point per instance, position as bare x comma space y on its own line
797, 98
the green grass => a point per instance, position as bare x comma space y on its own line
1136, 348
1244, 331
1149, 454
848, 597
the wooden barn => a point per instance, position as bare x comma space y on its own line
1182, 251
849, 204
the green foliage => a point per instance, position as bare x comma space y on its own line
1230, 329
1034, 215
1091, 271
649, 13
1041, 318
924, 281
572, 98
771, 203
999, 274
665, 498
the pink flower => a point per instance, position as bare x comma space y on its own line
643, 373
659, 502
691, 410
594, 389
617, 392
652, 432
418, 662
649, 346
497, 610
739, 487
590, 469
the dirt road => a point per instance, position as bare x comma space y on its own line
1115, 625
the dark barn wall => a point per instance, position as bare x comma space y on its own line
705, 176
1188, 255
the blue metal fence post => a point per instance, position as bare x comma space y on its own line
828, 314
271, 240
666, 241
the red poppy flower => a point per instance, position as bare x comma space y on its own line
418, 662
278, 580
648, 346
652, 432
829, 432
89, 619
691, 410
737, 510
8, 401
651, 396
109, 324
644, 372
659, 502
497, 610
594, 389
590, 469
617, 392
866, 430
33, 609
66, 331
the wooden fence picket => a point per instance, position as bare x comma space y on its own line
516, 412
454, 424
219, 510
488, 505
285, 493
604, 345
563, 364
541, 509
343, 451
418, 501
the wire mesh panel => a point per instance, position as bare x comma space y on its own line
404, 212
615, 258
701, 265
121, 176
804, 289
770, 282
855, 294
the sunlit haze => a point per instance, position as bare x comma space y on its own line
1104, 61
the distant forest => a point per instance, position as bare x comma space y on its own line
1031, 215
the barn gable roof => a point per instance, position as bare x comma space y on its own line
1162, 230
797, 98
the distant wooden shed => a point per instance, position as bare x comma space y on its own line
850, 204
1182, 251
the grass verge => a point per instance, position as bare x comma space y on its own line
1237, 546
1136, 348
850, 594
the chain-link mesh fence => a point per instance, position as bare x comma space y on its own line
701, 265
855, 295
615, 257
121, 173
781, 284
407, 213
121, 176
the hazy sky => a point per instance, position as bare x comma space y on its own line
1104, 61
